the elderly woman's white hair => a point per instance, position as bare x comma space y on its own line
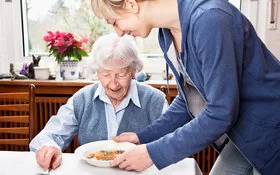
114, 52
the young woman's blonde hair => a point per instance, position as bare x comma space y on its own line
104, 8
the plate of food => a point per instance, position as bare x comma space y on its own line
100, 153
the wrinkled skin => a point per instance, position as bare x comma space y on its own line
49, 157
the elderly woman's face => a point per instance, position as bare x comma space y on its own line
115, 82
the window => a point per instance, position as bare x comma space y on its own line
74, 16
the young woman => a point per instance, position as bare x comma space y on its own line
228, 82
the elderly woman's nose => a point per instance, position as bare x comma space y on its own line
113, 83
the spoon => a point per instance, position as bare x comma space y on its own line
46, 172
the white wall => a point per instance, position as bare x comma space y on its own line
1, 38
272, 36
258, 12
10, 32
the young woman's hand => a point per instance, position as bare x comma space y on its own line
127, 137
137, 159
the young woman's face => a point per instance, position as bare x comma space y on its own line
131, 24
115, 82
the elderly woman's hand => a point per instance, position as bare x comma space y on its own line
137, 159
49, 157
127, 137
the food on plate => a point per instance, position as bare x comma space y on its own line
91, 155
104, 154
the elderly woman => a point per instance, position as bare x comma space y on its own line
103, 110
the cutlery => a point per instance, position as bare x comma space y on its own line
46, 172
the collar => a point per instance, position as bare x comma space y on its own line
131, 94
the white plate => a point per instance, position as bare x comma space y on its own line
83, 150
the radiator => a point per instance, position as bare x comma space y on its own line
46, 107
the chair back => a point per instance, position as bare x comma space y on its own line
17, 110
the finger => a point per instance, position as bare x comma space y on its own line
129, 137
40, 156
48, 158
129, 168
124, 164
128, 165
115, 138
56, 161
120, 138
117, 160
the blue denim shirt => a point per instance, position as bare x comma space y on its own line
238, 77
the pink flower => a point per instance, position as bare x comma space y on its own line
62, 44
84, 40
50, 37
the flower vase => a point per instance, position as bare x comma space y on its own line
69, 70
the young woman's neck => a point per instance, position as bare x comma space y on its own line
161, 13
